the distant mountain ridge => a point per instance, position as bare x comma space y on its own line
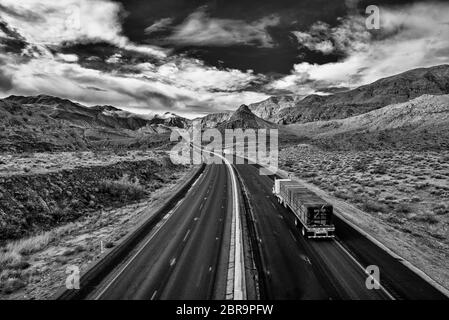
395, 89
244, 118
270, 108
46, 123
171, 119
213, 119
419, 124
77, 114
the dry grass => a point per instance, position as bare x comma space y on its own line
31, 245
14, 257
124, 188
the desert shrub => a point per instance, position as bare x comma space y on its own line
308, 174
426, 218
11, 285
374, 206
440, 209
379, 169
30, 245
8, 258
360, 165
394, 219
421, 186
341, 194
289, 163
124, 188
403, 208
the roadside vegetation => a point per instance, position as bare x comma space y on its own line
405, 190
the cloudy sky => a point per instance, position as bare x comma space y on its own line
195, 57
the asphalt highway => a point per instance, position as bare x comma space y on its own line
186, 256
296, 268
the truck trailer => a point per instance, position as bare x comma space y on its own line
312, 214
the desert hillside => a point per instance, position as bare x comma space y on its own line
45, 123
243, 118
421, 123
213, 119
395, 89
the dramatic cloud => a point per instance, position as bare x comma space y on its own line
194, 60
410, 37
182, 84
159, 25
200, 29
55, 22
174, 85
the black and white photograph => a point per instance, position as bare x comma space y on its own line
224, 155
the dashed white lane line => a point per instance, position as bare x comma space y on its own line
154, 295
185, 237
200, 276
172, 262
292, 235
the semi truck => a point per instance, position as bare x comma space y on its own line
312, 214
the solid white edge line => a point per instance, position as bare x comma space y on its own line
239, 261
363, 269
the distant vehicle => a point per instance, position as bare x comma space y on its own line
312, 214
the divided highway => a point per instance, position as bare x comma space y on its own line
195, 251
295, 268
186, 256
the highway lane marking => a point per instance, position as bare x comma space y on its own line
200, 276
172, 262
160, 224
293, 236
363, 269
239, 292
131, 260
154, 295
185, 237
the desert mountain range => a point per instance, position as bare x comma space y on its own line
407, 109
